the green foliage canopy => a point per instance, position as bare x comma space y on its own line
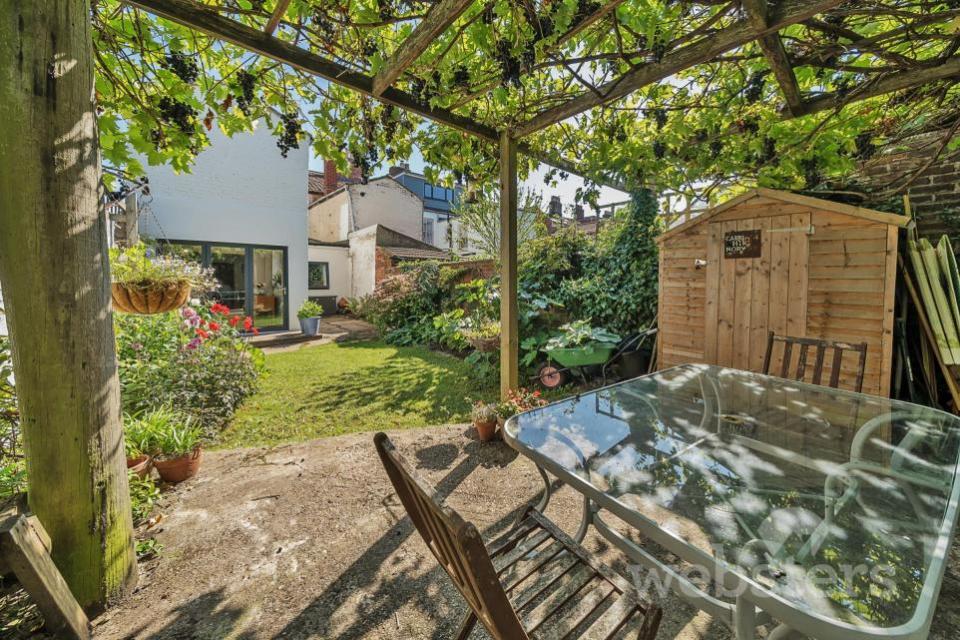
161, 87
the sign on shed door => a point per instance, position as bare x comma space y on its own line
756, 283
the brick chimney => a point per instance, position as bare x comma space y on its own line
556, 207
331, 179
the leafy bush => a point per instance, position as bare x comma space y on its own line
309, 309
144, 495
194, 360
13, 471
161, 431
404, 305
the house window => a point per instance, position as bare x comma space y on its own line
318, 275
428, 231
427, 190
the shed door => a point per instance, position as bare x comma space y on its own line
747, 297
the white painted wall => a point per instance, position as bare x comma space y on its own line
329, 219
340, 270
386, 202
363, 261
240, 190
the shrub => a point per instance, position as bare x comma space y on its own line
405, 303
194, 360
13, 471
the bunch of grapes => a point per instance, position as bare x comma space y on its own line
509, 63
183, 66
487, 16
385, 10
865, 146
325, 25
660, 117
461, 77
178, 113
769, 149
246, 82
290, 136
584, 9
716, 148
659, 47
754, 88
659, 150
811, 172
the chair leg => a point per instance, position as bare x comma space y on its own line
469, 622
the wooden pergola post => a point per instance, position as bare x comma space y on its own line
509, 328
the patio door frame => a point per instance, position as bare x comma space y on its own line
206, 258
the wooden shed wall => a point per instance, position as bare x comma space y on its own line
836, 284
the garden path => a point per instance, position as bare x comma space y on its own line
309, 541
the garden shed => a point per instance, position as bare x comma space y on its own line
776, 261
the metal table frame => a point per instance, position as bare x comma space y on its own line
755, 605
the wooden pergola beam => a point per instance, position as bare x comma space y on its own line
441, 16
205, 19
899, 81
276, 16
776, 55
743, 31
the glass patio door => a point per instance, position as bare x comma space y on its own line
270, 288
230, 268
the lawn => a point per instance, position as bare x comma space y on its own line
334, 389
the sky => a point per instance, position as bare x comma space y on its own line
566, 189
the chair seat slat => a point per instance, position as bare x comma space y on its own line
571, 583
612, 619
589, 600
524, 567
508, 559
524, 593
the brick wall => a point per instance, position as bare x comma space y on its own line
383, 265
934, 191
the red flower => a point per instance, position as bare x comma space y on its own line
247, 323
203, 334
256, 331
214, 326
220, 309
234, 320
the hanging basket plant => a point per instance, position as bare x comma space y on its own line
146, 283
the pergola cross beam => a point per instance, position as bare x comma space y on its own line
276, 16
786, 13
776, 55
441, 16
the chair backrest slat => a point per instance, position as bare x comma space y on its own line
822, 346
455, 543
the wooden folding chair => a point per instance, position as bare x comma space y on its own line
822, 346
532, 583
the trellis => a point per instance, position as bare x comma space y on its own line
563, 88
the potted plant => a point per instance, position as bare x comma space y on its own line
485, 420
179, 452
147, 283
518, 401
136, 444
309, 315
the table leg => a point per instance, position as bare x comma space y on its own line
585, 520
545, 499
745, 619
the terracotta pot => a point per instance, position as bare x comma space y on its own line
176, 470
148, 299
486, 430
140, 465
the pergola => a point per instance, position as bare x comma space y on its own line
571, 74
560, 78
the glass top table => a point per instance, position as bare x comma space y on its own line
830, 511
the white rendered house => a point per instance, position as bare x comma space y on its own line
242, 212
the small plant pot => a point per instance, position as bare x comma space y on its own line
486, 430
178, 469
310, 326
140, 465
147, 298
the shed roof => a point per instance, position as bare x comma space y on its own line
792, 198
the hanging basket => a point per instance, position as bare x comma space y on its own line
147, 299
484, 344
